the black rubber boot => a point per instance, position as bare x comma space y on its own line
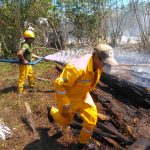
50, 118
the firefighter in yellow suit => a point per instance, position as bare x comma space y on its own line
25, 55
72, 90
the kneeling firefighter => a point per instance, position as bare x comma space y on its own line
78, 78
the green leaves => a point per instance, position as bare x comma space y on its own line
12, 18
86, 16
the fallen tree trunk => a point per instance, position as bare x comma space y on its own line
135, 93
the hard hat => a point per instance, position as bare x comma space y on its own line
28, 34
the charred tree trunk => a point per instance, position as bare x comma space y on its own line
135, 93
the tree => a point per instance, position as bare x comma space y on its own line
86, 17
13, 15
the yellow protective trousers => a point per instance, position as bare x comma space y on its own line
87, 112
25, 71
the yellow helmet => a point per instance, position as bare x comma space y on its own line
28, 34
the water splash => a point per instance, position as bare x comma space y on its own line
133, 65
137, 66
63, 57
137, 74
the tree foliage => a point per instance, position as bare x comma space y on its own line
86, 17
13, 15
89, 21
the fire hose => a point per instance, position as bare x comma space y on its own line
19, 62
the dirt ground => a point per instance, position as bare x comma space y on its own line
13, 112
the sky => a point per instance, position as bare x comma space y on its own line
119, 1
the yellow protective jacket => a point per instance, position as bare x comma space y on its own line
76, 80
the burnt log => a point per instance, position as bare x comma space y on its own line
127, 121
118, 136
98, 133
134, 92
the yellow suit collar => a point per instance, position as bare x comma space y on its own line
90, 64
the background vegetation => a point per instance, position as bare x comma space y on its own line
87, 21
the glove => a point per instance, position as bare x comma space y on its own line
65, 110
5, 132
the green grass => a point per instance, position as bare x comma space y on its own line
43, 67
6, 67
9, 77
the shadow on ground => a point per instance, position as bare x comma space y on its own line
46, 142
9, 89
